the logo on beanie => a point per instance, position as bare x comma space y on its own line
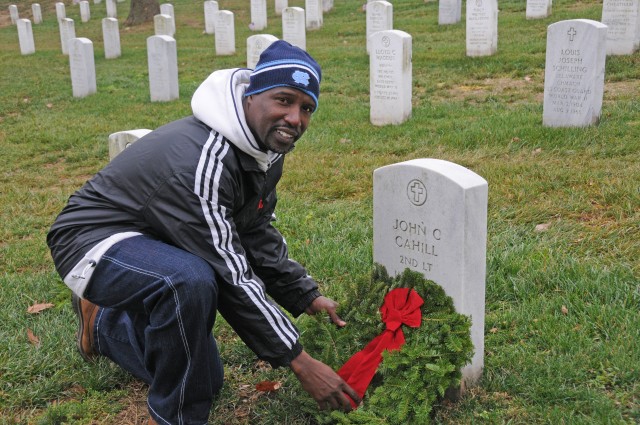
301, 78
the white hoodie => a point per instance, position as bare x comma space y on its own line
218, 104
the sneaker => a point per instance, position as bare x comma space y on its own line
86, 313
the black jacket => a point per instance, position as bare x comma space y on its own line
189, 186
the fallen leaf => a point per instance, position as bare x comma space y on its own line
49, 105
268, 386
32, 338
542, 227
537, 151
493, 330
527, 78
37, 308
564, 310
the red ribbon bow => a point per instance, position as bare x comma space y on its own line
401, 307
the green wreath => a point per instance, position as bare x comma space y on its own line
409, 382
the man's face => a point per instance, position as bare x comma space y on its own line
278, 117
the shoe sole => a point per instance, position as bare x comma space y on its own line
77, 308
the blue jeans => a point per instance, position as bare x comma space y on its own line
158, 307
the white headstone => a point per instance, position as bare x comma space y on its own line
430, 216
13, 13
85, 12
280, 6
622, 17
163, 25
36, 11
162, 56
313, 12
210, 9
123, 139
482, 27
256, 44
83, 68
25, 37
258, 15
111, 36
167, 9
97, 1
538, 9
67, 32
390, 76
574, 73
225, 33
449, 12
61, 13
327, 5
379, 17
293, 27
112, 9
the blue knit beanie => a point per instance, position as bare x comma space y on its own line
282, 64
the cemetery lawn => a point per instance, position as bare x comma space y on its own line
563, 269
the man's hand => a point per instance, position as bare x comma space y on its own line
325, 304
323, 384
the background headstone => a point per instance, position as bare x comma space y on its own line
85, 12
256, 45
25, 37
167, 9
390, 77
225, 33
36, 11
622, 17
111, 36
430, 216
83, 68
163, 25
61, 13
574, 73
258, 15
112, 9
294, 28
162, 56
313, 14
280, 6
123, 139
67, 32
449, 12
379, 17
13, 14
97, 1
482, 27
210, 10
538, 9
327, 5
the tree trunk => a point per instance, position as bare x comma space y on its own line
142, 11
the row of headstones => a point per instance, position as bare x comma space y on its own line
85, 11
574, 74
574, 68
295, 22
622, 18
573, 82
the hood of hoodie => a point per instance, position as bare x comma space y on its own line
218, 104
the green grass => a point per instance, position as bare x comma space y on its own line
541, 365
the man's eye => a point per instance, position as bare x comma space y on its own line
308, 109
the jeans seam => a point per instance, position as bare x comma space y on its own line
167, 280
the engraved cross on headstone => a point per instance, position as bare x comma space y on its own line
572, 33
416, 190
